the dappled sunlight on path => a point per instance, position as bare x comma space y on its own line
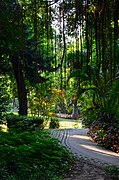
78, 142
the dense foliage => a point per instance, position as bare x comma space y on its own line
23, 123
103, 119
4, 97
106, 134
54, 123
32, 156
57, 57
77, 40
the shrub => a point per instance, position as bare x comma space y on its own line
54, 123
24, 122
89, 116
31, 156
106, 134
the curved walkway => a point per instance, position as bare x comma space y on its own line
78, 142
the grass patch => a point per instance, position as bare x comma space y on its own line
69, 123
66, 124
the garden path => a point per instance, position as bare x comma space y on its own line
78, 142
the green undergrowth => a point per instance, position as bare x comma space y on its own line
31, 156
23, 123
113, 171
54, 123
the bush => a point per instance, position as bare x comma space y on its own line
54, 123
23, 123
89, 116
106, 134
31, 156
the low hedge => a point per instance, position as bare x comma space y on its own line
24, 122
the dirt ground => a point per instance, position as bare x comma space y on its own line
84, 170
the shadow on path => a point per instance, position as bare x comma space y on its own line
77, 141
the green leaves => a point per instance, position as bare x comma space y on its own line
21, 123
54, 123
33, 155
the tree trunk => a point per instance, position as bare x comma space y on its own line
22, 95
75, 113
